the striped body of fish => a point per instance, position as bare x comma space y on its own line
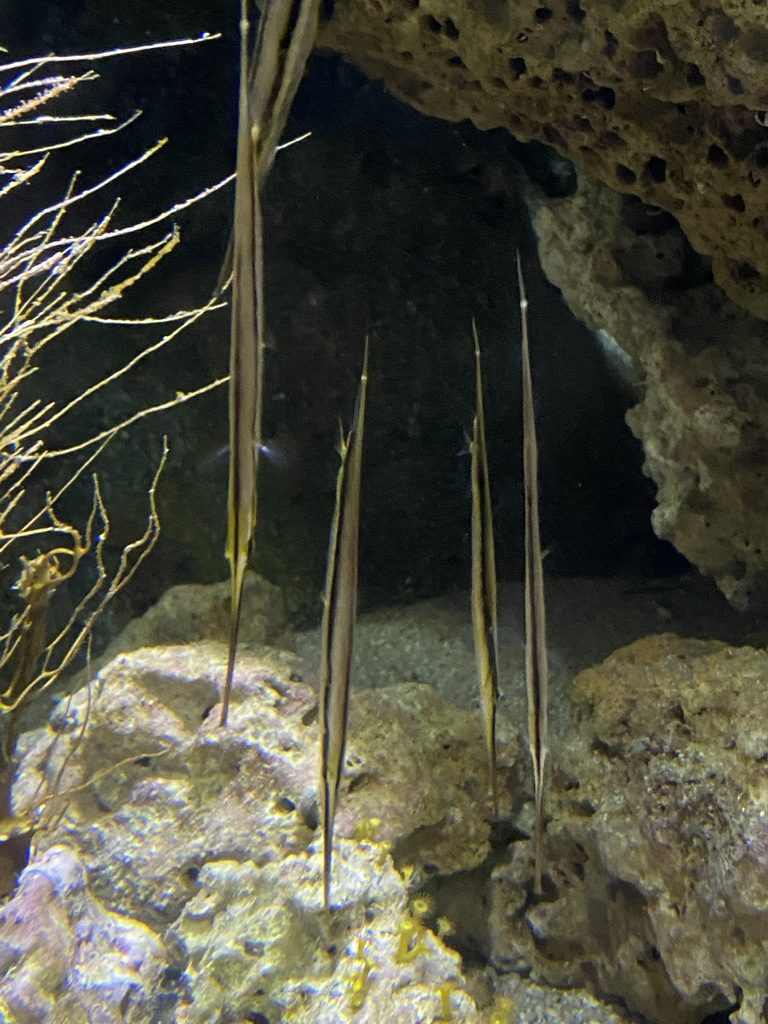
339, 616
286, 34
536, 665
485, 626
246, 368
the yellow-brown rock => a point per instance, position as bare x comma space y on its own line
666, 100
658, 839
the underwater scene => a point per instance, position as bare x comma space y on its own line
383, 518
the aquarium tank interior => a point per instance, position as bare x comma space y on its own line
383, 512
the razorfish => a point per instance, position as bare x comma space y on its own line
285, 37
246, 370
484, 602
287, 31
339, 615
536, 668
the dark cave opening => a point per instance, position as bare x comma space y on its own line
388, 223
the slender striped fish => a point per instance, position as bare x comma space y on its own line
246, 366
484, 603
286, 35
536, 669
339, 615
285, 38
287, 31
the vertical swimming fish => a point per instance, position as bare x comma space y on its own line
484, 602
536, 668
286, 35
246, 358
287, 31
285, 38
339, 615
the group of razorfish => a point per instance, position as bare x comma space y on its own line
267, 85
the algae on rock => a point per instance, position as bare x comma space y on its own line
658, 840
207, 836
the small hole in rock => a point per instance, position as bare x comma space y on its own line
734, 202
604, 96
358, 782
656, 170
573, 10
694, 76
625, 174
717, 156
611, 44
744, 272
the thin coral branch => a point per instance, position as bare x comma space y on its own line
42, 300
80, 58
15, 154
71, 199
61, 651
29, 529
48, 89
125, 368
20, 176
178, 399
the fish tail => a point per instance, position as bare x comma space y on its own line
239, 566
538, 837
491, 740
329, 811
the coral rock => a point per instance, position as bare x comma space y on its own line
657, 842
208, 835
64, 956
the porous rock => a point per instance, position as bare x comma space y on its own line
249, 930
208, 835
663, 100
658, 839
414, 762
190, 612
703, 410
63, 956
